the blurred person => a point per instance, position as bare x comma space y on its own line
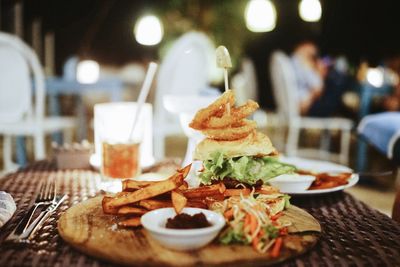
392, 102
320, 84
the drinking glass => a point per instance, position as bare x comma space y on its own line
121, 153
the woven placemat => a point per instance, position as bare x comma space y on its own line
353, 233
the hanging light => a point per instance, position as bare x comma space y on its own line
260, 16
88, 71
148, 30
375, 77
310, 10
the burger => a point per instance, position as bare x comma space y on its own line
233, 151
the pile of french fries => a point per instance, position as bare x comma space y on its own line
139, 197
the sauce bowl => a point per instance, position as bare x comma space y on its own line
182, 239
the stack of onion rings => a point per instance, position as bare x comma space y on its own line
216, 123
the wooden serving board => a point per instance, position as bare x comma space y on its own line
85, 227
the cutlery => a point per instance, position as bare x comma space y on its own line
30, 232
44, 215
46, 196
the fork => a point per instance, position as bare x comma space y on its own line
46, 196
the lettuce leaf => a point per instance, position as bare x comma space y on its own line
245, 169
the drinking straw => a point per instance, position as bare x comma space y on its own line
144, 92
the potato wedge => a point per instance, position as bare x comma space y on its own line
204, 191
185, 170
129, 210
184, 186
107, 209
196, 204
147, 192
132, 185
178, 201
152, 204
130, 222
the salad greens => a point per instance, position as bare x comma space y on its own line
246, 169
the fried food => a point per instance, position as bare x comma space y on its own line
216, 108
152, 190
147, 192
325, 180
132, 185
128, 210
139, 197
205, 191
235, 132
131, 222
220, 123
152, 204
236, 115
178, 201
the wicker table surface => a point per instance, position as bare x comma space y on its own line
353, 233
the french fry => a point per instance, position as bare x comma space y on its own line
184, 186
129, 210
204, 191
132, 185
152, 204
147, 192
130, 222
185, 170
107, 209
196, 204
178, 201
237, 192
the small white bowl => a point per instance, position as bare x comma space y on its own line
182, 239
289, 183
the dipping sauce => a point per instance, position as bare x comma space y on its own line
186, 221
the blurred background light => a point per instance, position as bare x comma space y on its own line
375, 77
88, 71
310, 10
260, 16
149, 30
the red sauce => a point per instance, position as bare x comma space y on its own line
186, 221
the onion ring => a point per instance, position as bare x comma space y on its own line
239, 131
218, 106
237, 114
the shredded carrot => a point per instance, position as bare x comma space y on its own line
246, 220
228, 214
283, 231
276, 216
276, 248
255, 242
261, 233
253, 223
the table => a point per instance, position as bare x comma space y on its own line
353, 233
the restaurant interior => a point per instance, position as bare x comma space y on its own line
96, 91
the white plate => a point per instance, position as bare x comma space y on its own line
320, 166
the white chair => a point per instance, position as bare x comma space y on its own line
285, 90
18, 115
185, 71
